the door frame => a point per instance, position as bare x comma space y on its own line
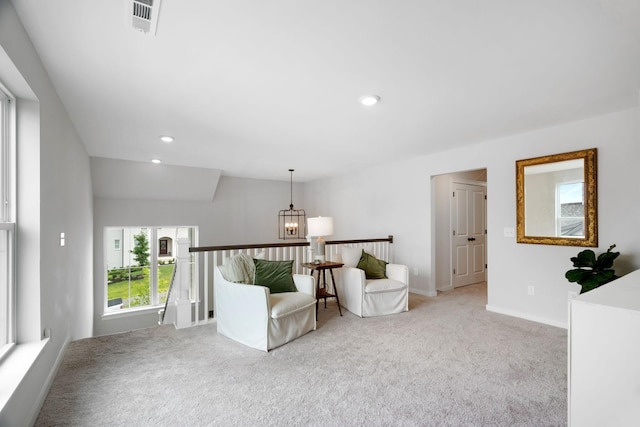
440, 218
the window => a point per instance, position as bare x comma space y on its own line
570, 209
7, 226
140, 267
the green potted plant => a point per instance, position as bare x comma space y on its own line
592, 272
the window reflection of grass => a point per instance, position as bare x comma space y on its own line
140, 285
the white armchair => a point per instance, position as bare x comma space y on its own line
253, 316
374, 297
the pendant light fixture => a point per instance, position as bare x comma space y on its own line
291, 222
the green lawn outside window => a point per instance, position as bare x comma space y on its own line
135, 291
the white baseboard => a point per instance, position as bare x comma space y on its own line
512, 313
423, 292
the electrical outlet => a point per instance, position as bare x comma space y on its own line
509, 232
531, 290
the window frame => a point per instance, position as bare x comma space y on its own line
126, 245
7, 162
7, 220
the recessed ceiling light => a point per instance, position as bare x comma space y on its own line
156, 161
369, 100
166, 138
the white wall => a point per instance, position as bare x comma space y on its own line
243, 211
54, 283
395, 199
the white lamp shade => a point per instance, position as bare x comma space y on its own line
320, 226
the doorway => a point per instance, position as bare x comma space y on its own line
164, 247
459, 238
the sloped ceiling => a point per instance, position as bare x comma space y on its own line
253, 88
124, 179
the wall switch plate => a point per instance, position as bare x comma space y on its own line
531, 290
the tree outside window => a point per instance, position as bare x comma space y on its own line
141, 249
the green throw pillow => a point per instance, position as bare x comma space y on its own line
275, 275
373, 268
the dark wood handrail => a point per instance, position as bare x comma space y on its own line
285, 245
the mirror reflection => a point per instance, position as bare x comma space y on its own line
556, 199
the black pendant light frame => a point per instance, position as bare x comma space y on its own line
292, 223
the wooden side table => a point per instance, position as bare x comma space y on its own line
321, 287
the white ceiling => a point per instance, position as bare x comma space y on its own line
256, 87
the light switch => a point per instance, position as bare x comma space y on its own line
61, 239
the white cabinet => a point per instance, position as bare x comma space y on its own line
604, 355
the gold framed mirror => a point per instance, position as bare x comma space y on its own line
556, 199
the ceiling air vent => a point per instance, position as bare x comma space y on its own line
144, 15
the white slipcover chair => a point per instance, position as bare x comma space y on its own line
372, 297
253, 316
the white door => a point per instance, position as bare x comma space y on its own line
468, 241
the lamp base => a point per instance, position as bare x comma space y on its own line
319, 256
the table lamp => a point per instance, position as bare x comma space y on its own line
320, 227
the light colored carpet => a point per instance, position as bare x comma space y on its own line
447, 362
